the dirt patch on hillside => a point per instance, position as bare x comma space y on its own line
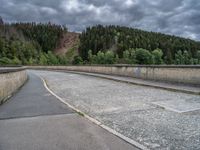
68, 41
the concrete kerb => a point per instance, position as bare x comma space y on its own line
93, 120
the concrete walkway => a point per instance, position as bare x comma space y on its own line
33, 119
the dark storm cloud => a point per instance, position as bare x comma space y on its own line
179, 17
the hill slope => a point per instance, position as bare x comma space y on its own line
47, 44
68, 45
119, 39
30, 43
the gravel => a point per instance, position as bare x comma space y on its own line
131, 109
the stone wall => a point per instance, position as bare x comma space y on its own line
10, 80
178, 74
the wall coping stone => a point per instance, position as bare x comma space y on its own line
123, 65
10, 69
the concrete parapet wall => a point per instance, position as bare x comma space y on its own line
178, 74
10, 81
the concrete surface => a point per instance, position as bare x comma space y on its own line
130, 109
10, 80
11, 69
35, 120
32, 100
180, 106
188, 74
156, 84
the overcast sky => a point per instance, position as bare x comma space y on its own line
179, 17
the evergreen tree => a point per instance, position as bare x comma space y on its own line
119, 39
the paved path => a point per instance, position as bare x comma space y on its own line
156, 118
33, 119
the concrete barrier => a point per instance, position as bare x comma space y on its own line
178, 74
10, 80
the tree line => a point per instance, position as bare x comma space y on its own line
46, 35
121, 39
137, 56
33, 43
30, 43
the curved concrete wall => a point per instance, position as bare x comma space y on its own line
10, 80
178, 74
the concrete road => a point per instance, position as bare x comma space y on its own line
33, 119
158, 119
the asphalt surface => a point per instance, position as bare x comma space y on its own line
158, 119
33, 119
32, 100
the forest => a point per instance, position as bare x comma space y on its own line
34, 44
128, 44
30, 43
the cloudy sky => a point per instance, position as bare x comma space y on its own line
179, 17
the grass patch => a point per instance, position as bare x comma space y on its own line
80, 113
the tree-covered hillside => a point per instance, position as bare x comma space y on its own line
121, 39
47, 35
37, 43
30, 43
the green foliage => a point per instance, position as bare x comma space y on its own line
17, 50
198, 56
5, 61
102, 58
16, 61
143, 56
31, 61
47, 35
43, 59
109, 57
120, 39
30, 43
129, 56
193, 61
63, 60
126, 57
51, 59
157, 55
91, 58
179, 58
184, 58
187, 58
71, 53
77, 60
